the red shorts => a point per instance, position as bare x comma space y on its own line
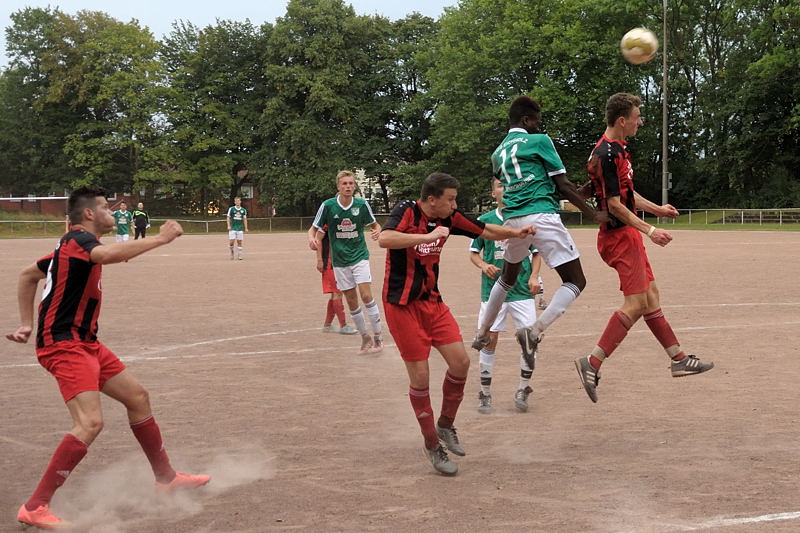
79, 366
419, 325
329, 281
623, 250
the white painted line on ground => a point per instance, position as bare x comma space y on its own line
726, 522
149, 355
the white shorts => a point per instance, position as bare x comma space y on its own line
234, 235
350, 276
552, 239
122, 238
523, 313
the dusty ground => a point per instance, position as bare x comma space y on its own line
301, 434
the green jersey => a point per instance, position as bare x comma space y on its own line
525, 163
345, 229
237, 216
123, 219
492, 253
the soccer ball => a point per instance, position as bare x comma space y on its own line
639, 46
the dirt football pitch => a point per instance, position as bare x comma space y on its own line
302, 434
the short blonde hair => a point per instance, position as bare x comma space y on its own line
342, 173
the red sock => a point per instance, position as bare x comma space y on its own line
149, 436
338, 308
615, 332
329, 311
663, 332
66, 457
421, 403
452, 394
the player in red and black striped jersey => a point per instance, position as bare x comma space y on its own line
417, 317
335, 306
620, 245
67, 346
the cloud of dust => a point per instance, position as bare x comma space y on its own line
114, 499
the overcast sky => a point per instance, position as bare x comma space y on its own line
158, 15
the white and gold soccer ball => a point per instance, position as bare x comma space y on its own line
639, 46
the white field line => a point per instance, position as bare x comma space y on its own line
728, 522
151, 354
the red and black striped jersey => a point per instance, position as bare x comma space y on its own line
413, 273
612, 175
72, 293
326, 249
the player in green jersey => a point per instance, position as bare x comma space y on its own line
123, 219
346, 217
488, 256
534, 179
237, 226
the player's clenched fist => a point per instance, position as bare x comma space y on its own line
524, 231
171, 230
661, 237
441, 232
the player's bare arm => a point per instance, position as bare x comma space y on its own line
487, 268
396, 240
666, 210
122, 251
533, 281
375, 231
318, 250
312, 237
26, 292
617, 208
493, 232
318, 240
246, 227
571, 193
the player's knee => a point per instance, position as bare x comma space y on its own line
420, 378
91, 425
580, 281
460, 366
138, 400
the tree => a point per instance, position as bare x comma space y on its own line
212, 106
32, 131
107, 71
330, 84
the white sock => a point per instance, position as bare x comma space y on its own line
487, 365
493, 304
374, 316
239, 249
358, 320
562, 298
525, 372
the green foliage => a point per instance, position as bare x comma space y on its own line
212, 106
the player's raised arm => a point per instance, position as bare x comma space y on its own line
644, 204
122, 251
26, 292
395, 240
493, 232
